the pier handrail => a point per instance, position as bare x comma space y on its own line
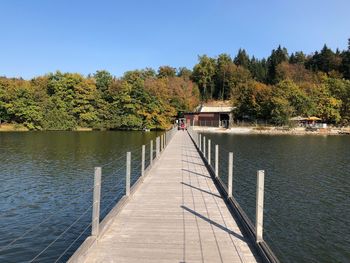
97, 226
253, 231
160, 144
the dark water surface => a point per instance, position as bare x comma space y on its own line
307, 191
46, 181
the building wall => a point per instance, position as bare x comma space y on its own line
207, 119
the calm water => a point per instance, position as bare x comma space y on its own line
46, 181
307, 191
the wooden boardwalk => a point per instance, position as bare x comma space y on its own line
177, 215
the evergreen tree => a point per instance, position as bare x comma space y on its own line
345, 65
277, 56
258, 69
242, 59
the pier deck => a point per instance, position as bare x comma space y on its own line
177, 215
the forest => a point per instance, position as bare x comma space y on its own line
271, 89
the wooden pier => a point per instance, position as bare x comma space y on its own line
177, 214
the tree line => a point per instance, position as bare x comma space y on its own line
272, 89
281, 86
141, 99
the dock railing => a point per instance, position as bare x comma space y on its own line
110, 192
99, 227
253, 231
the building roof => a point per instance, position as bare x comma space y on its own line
203, 108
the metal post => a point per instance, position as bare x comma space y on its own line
209, 151
216, 160
230, 174
259, 205
160, 143
200, 142
204, 153
128, 171
157, 147
151, 153
143, 160
96, 202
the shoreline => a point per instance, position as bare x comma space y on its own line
22, 128
274, 130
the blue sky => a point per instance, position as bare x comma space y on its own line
41, 36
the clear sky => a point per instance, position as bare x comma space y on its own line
41, 36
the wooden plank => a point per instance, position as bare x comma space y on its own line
176, 215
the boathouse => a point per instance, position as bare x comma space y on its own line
210, 115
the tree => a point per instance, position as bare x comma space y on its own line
204, 75
252, 100
277, 57
22, 108
103, 80
295, 72
325, 61
345, 64
84, 103
223, 63
242, 59
166, 72
282, 111
184, 73
340, 90
258, 69
300, 104
298, 58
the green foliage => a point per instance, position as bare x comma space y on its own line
103, 80
204, 75
166, 72
242, 59
277, 57
65, 101
57, 118
272, 89
325, 61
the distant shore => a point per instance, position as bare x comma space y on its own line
275, 130
9, 127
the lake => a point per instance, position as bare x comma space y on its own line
46, 181
47, 178
307, 191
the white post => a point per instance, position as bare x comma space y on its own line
143, 160
151, 153
128, 171
204, 153
200, 142
96, 202
230, 174
259, 205
209, 151
216, 160
160, 143
157, 147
